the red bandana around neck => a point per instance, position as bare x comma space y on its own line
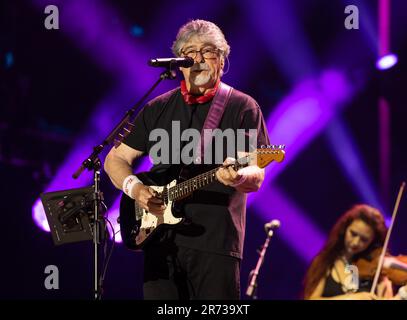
192, 99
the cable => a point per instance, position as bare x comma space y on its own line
107, 256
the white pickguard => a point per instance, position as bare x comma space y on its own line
149, 221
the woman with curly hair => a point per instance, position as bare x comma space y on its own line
357, 233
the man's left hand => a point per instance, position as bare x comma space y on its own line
227, 175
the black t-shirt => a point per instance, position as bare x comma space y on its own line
216, 214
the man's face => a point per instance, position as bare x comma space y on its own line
205, 72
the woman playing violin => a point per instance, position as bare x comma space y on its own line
333, 275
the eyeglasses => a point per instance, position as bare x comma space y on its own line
206, 53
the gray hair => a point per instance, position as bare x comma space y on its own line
204, 29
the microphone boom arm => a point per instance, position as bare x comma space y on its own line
92, 160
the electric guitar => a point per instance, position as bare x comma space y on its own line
138, 226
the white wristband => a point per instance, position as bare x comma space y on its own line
129, 183
403, 293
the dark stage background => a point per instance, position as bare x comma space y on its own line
316, 81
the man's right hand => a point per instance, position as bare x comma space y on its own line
147, 198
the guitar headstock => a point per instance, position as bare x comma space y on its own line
268, 154
262, 157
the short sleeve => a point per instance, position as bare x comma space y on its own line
255, 127
138, 137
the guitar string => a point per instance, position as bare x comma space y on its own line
192, 184
184, 188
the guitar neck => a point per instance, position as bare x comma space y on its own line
185, 188
264, 156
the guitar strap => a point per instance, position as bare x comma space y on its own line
213, 118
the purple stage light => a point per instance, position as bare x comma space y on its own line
300, 117
297, 230
297, 120
112, 216
303, 114
387, 61
38, 215
345, 150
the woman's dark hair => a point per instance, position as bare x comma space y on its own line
335, 243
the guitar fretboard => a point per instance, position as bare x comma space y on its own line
185, 188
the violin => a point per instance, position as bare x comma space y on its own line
394, 267
379, 267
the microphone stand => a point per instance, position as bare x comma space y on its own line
92, 162
252, 288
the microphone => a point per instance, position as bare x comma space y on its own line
186, 62
273, 224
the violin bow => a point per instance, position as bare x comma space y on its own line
386, 241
